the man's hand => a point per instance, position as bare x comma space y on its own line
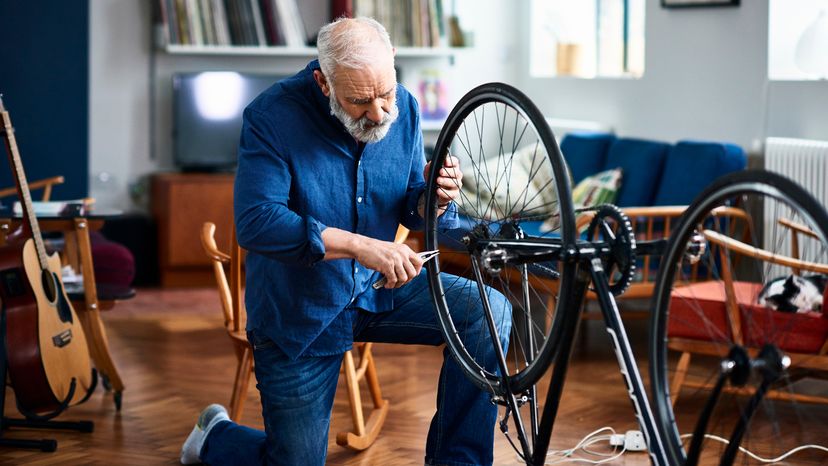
449, 182
397, 262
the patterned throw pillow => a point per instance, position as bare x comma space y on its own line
601, 188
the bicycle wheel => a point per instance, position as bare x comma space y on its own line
723, 311
515, 185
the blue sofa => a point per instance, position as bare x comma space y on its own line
654, 173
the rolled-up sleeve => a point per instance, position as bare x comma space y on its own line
265, 224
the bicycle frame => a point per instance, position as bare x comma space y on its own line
588, 256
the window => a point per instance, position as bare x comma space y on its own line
798, 39
587, 38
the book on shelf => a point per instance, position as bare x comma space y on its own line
194, 22
248, 27
342, 8
292, 22
410, 23
232, 22
208, 22
258, 24
270, 19
220, 22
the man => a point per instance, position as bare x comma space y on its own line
330, 162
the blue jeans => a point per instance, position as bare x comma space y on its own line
297, 396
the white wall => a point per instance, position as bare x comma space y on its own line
130, 84
119, 121
705, 78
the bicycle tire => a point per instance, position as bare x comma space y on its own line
683, 317
507, 103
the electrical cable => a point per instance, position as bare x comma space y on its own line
757, 457
587, 441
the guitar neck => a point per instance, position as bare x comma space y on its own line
29, 218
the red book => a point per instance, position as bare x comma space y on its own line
340, 8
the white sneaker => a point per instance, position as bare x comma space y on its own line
209, 417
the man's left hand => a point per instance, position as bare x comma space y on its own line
449, 182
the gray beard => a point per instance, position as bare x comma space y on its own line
363, 129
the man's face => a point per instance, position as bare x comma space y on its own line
364, 100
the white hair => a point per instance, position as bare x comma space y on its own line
342, 44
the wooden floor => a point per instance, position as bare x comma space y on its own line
175, 359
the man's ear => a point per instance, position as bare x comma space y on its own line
322, 82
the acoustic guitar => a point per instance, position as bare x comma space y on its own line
48, 360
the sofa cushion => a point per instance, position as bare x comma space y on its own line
585, 153
696, 164
641, 162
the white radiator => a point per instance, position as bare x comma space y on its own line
803, 160
806, 162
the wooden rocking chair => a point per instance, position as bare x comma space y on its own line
364, 432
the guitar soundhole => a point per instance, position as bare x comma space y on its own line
51, 288
49, 285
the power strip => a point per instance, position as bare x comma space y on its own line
633, 440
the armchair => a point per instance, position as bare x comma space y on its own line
733, 306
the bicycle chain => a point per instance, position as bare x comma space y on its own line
622, 246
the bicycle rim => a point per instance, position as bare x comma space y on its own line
514, 180
695, 327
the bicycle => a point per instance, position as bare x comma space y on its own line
518, 235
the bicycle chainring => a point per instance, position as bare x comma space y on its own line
611, 226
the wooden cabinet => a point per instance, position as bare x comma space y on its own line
181, 203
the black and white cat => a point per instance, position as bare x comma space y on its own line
794, 293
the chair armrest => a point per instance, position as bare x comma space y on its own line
208, 242
402, 234
46, 184
797, 228
757, 253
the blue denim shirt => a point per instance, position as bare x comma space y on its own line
299, 172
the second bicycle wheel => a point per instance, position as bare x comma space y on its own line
738, 300
515, 185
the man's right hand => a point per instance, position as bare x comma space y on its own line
396, 262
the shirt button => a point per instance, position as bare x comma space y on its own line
359, 199
356, 269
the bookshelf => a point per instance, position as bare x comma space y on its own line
416, 24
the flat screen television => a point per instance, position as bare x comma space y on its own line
207, 116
